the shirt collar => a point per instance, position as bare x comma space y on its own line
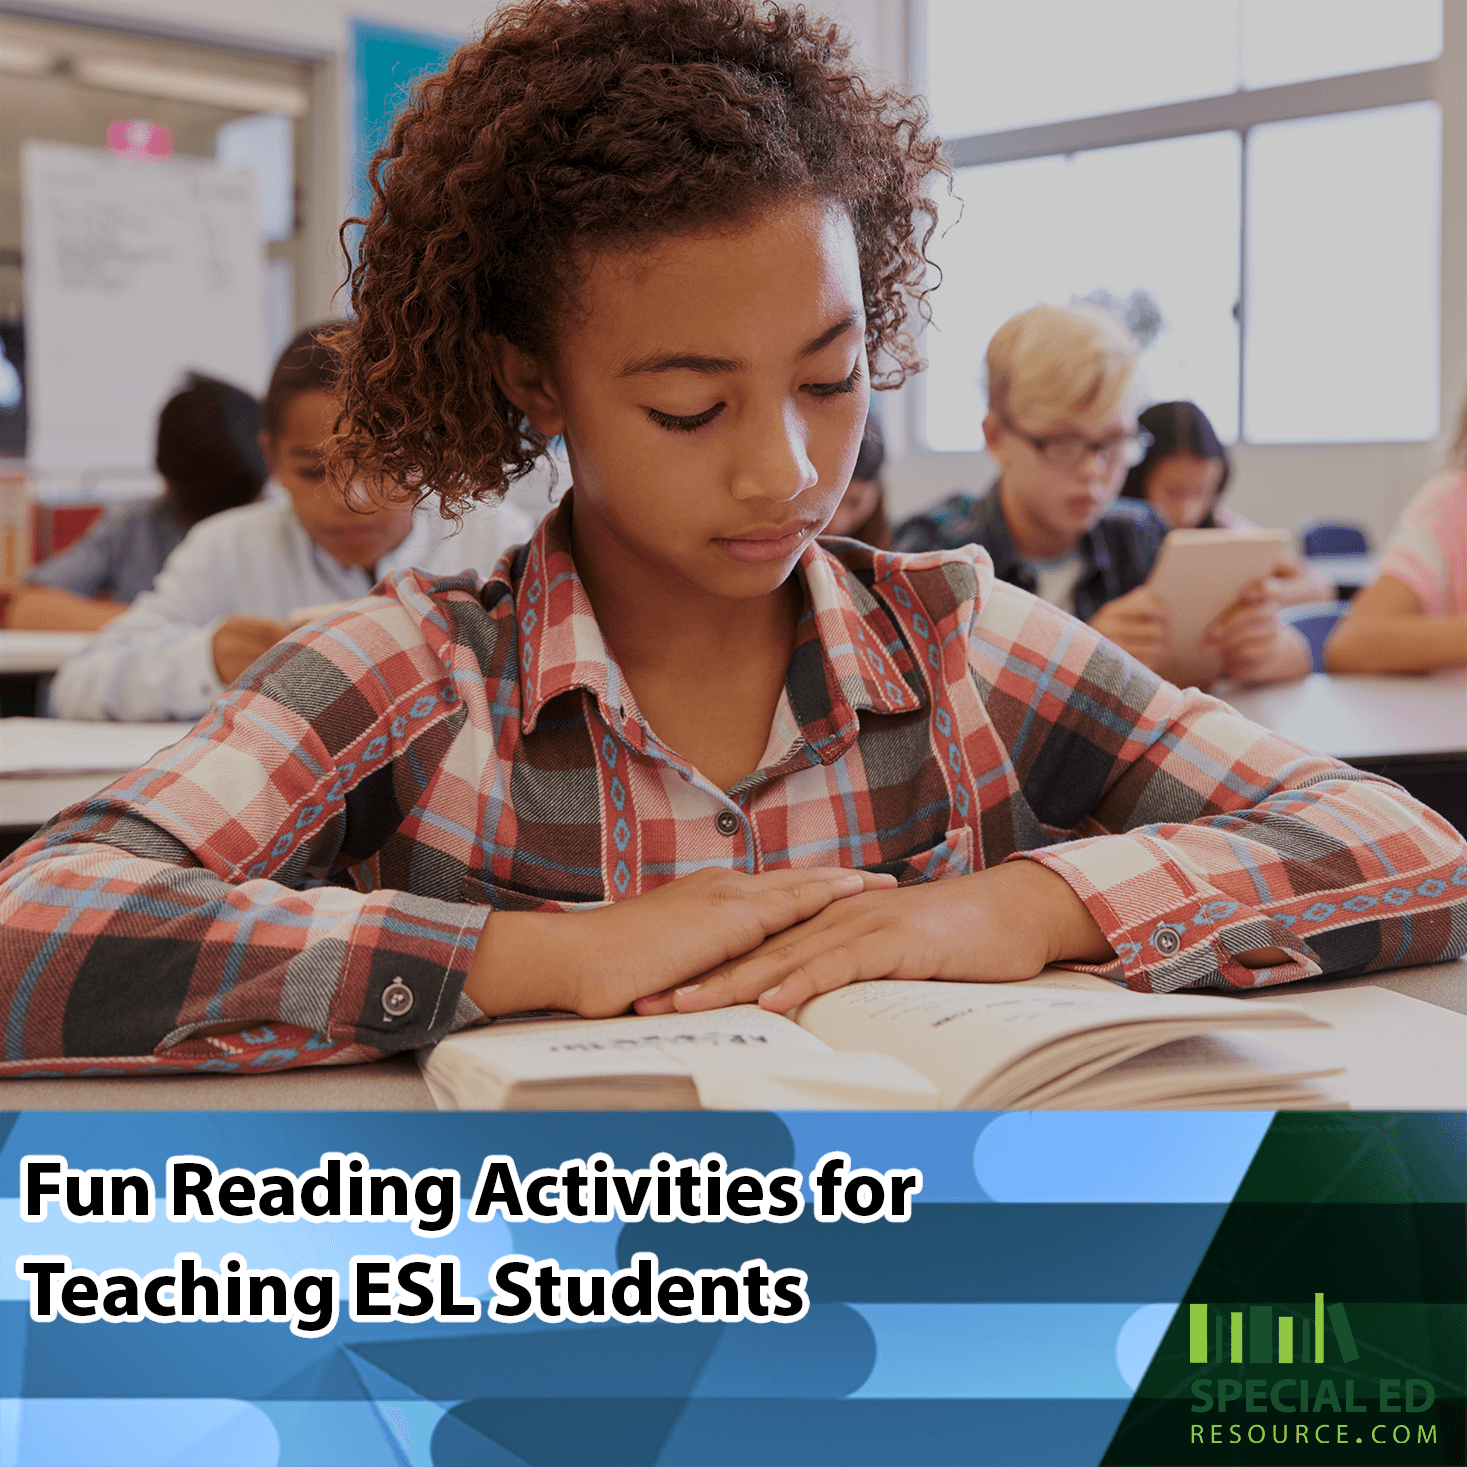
849, 655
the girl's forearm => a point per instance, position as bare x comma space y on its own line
1402, 643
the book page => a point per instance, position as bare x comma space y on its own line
536, 1050
966, 1036
1207, 1071
746, 1077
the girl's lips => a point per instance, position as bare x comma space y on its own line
760, 546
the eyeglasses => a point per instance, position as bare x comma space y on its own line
1069, 450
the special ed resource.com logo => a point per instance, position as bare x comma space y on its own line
1270, 1337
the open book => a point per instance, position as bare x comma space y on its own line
1061, 1040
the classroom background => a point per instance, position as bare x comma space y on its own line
1272, 194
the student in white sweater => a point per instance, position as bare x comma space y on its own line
226, 593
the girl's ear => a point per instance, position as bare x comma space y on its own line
268, 450
528, 386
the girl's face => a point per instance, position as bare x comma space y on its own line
352, 534
858, 505
1182, 488
712, 393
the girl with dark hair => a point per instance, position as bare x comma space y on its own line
1182, 477
208, 455
673, 752
1184, 471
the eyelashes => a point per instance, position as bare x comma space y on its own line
836, 389
685, 425
822, 390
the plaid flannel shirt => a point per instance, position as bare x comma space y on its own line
314, 861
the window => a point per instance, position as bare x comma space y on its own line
1201, 169
994, 66
1151, 230
1343, 314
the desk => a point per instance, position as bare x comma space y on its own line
27, 660
32, 652
1412, 729
395, 1084
47, 764
1348, 573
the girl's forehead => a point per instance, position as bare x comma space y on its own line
783, 276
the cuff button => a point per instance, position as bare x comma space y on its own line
397, 999
1167, 941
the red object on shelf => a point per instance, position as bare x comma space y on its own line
55, 526
135, 137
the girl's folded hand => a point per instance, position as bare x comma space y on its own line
597, 963
994, 926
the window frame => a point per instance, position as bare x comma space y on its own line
1240, 111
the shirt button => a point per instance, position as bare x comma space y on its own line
727, 822
1167, 941
397, 999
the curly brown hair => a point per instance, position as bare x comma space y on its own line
578, 126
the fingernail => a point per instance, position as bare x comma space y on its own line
690, 988
770, 992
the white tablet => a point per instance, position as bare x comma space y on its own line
1199, 573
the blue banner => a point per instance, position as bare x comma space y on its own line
1024, 1300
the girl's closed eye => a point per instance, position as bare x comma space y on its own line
676, 424
835, 389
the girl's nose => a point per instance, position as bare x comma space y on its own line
774, 462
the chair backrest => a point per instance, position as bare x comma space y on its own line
1316, 620
1320, 537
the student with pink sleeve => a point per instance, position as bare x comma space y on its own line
1414, 618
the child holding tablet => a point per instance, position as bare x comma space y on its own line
1182, 478
671, 752
1063, 389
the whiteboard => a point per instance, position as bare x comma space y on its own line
136, 271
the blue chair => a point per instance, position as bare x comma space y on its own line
1316, 619
1321, 537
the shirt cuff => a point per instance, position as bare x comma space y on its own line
196, 661
1168, 929
404, 974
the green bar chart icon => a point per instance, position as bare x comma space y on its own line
1265, 1344
1197, 1334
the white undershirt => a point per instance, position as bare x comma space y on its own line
1055, 580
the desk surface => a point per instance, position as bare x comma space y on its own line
395, 1084
38, 652
1365, 717
47, 764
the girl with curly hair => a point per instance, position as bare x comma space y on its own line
673, 752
